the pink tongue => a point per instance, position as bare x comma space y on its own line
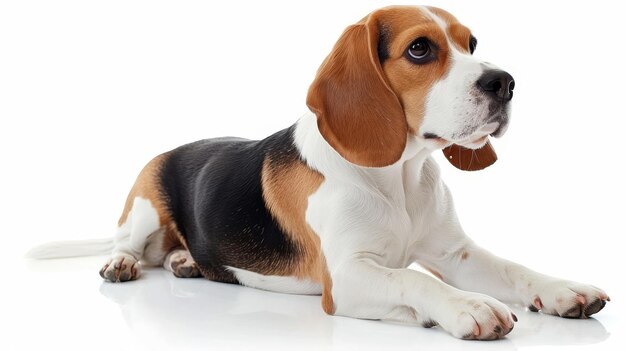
470, 160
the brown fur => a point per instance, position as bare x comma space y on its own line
286, 189
357, 112
172, 238
460, 36
328, 305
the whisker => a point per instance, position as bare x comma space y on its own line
471, 160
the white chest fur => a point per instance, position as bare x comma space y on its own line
383, 213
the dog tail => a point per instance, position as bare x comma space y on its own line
75, 248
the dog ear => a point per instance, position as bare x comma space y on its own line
470, 160
357, 112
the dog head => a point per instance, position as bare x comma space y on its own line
408, 72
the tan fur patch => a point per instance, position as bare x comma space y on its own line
172, 238
328, 305
459, 35
286, 189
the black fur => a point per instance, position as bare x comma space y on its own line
383, 44
213, 190
429, 323
472, 44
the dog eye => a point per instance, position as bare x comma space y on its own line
472, 44
419, 50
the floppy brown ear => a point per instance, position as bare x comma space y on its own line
470, 160
357, 112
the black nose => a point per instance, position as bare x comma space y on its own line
497, 83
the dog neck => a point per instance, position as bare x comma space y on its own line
320, 156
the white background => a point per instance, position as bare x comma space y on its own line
91, 90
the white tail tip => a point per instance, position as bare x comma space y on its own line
76, 248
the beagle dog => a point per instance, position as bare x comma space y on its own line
344, 200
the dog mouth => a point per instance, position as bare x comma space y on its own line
477, 139
503, 125
474, 142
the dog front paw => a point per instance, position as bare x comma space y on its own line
477, 317
568, 299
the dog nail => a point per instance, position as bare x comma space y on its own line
537, 303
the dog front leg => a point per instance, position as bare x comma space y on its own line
473, 268
362, 288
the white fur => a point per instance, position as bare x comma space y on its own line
138, 238
283, 284
62, 249
141, 222
451, 111
375, 222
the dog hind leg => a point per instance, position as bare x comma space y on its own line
141, 226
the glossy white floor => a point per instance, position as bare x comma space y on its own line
64, 303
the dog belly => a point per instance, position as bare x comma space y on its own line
276, 283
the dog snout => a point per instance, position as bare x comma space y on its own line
498, 84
